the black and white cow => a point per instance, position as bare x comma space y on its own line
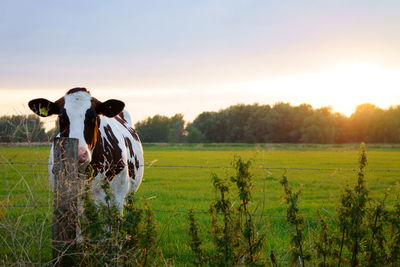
107, 140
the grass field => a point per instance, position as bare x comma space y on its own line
179, 179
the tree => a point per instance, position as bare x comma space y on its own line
319, 127
281, 125
237, 118
194, 135
342, 127
256, 128
293, 124
392, 125
176, 129
162, 129
367, 124
22, 128
212, 125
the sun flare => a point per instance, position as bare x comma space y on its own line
358, 82
341, 86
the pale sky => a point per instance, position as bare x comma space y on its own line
167, 57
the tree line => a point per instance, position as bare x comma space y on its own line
256, 123
22, 128
278, 123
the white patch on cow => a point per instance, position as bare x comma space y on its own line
127, 117
76, 105
50, 168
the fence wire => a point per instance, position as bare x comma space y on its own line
218, 167
201, 212
194, 167
396, 171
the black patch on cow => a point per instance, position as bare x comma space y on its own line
77, 89
134, 134
98, 157
131, 169
121, 114
131, 165
137, 164
64, 123
91, 127
132, 131
107, 155
129, 145
120, 120
112, 154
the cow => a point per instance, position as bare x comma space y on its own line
107, 141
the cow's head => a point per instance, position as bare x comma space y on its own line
78, 114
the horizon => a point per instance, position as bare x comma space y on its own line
180, 57
49, 122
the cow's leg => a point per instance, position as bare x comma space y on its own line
120, 188
98, 193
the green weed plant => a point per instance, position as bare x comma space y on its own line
115, 239
236, 238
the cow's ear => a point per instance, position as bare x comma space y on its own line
43, 107
110, 108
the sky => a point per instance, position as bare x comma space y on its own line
167, 57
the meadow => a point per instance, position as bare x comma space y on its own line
178, 178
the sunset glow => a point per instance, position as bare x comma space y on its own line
343, 87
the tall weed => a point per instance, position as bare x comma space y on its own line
113, 239
236, 238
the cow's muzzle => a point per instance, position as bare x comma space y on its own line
83, 155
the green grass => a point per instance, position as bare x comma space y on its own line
170, 190
272, 146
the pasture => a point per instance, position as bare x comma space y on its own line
177, 178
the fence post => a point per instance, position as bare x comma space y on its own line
67, 191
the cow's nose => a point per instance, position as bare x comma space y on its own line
83, 155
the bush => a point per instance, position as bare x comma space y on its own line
236, 239
113, 239
365, 232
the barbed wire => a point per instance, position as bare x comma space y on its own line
216, 167
202, 212
24, 206
197, 167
